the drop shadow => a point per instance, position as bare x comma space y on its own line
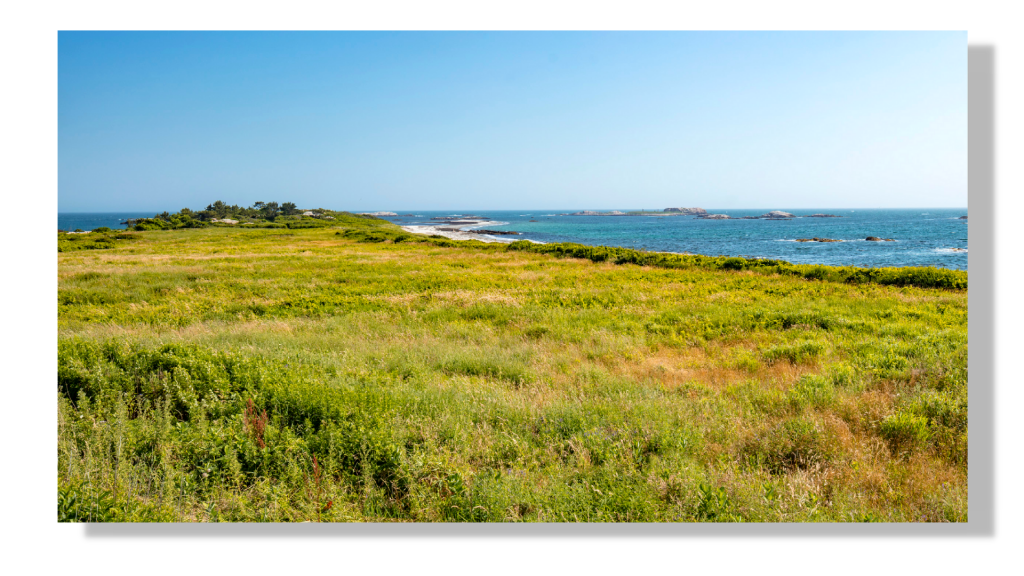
981, 330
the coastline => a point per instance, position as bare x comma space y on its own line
461, 235
451, 235
924, 237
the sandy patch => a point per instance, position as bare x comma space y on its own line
433, 231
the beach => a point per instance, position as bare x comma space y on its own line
454, 235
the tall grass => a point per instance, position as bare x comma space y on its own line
220, 374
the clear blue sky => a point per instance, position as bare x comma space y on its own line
420, 121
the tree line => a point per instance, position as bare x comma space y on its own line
219, 210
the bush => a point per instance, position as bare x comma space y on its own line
794, 353
924, 277
92, 241
905, 431
795, 443
299, 417
508, 369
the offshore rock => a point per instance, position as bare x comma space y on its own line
686, 211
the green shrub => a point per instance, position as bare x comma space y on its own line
95, 240
507, 369
813, 391
905, 431
794, 353
714, 504
927, 277
794, 443
80, 503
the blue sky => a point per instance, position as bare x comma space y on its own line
475, 121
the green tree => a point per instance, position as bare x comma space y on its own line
270, 210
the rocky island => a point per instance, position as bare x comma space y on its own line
686, 211
777, 215
773, 215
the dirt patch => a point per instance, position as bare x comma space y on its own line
466, 297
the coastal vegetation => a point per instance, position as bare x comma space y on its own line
260, 215
354, 372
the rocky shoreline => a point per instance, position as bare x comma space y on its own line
481, 231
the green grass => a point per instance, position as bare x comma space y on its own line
434, 380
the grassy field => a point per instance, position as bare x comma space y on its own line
355, 373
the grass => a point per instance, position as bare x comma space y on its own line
358, 373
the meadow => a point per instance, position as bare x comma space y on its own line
353, 372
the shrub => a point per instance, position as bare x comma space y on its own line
904, 431
924, 277
812, 390
714, 504
794, 353
794, 443
510, 370
80, 503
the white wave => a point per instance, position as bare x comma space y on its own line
951, 250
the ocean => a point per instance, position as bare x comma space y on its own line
923, 237
70, 221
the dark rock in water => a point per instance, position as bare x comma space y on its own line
822, 216
488, 232
816, 239
686, 211
963, 218
777, 214
715, 217
747, 218
877, 239
494, 232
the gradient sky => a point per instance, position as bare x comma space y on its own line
475, 121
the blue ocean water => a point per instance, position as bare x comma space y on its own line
70, 221
924, 237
